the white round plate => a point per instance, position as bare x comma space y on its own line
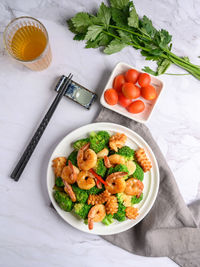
151, 178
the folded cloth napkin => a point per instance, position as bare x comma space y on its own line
171, 228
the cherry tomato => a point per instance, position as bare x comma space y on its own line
111, 96
132, 76
144, 79
118, 82
130, 90
148, 92
136, 107
123, 101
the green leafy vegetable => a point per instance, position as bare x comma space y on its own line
104, 15
118, 25
119, 3
133, 19
114, 46
93, 32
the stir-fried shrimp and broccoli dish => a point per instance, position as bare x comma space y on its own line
102, 179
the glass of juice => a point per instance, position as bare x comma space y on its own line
27, 41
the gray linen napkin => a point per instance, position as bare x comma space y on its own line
171, 228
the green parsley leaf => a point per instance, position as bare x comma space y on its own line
71, 26
101, 40
114, 46
81, 22
162, 38
104, 15
92, 44
79, 36
133, 20
147, 27
104, 39
93, 32
118, 17
127, 37
119, 3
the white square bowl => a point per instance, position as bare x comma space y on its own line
142, 117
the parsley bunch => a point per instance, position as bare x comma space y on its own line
118, 25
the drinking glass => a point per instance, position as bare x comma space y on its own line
27, 41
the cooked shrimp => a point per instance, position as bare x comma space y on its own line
68, 189
130, 166
96, 214
86, 158
116, 159
69, 173
104, 152
107, 162
58, 165
134, 187
85, 180
117, 141
116, 183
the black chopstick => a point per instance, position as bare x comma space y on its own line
36, 137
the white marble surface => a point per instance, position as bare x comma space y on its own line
31, 233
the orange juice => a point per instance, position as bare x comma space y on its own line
28, 43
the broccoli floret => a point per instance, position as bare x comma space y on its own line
59, 182
82, 210
120, 198
73, 158
108, 219
95, 190
124, 199
63, 201
127, 152
81, 195
99, 140
79, 143
118, 168
100, 168
139, 173
135, 200
121, 214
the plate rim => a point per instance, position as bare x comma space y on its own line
153, 197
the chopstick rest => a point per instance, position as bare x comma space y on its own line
62, 87
78, 93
